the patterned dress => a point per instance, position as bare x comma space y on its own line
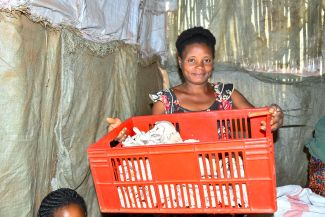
222, 94
316, 165
317, 176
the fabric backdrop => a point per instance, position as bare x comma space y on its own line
56, 90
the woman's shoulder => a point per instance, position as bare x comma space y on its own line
167, 97
160, 95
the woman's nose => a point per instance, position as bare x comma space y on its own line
200, 64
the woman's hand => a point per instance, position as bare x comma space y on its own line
277, 117
112, 124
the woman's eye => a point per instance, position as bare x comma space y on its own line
191, 60
207, 61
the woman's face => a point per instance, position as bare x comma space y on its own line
71, 210
196, 63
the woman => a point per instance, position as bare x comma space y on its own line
195, 55
316, 163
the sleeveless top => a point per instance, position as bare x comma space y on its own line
222, 94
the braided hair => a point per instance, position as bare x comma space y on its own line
195, 35
58, 199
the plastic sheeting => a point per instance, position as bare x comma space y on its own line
260, 35
136, 21
56, 90
273, 36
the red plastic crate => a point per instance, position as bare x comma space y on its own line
231, 169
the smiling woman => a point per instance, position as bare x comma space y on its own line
195, 55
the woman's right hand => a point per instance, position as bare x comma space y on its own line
112, 124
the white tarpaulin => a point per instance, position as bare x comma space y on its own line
132, 21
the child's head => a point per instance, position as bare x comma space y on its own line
63, 202
195, 35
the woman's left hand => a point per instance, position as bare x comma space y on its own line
277, 117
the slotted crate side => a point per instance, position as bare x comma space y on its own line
256, 206
236, 132
258, 160
103, 178
261, 173
158, 154
178, 198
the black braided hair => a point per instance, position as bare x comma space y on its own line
58, 199
195, 35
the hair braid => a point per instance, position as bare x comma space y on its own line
58, 199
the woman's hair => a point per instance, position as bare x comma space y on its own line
58, 199
195, 35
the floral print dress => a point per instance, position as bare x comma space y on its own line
317, 176
222, 94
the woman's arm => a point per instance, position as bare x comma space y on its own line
158, 108
239, 101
